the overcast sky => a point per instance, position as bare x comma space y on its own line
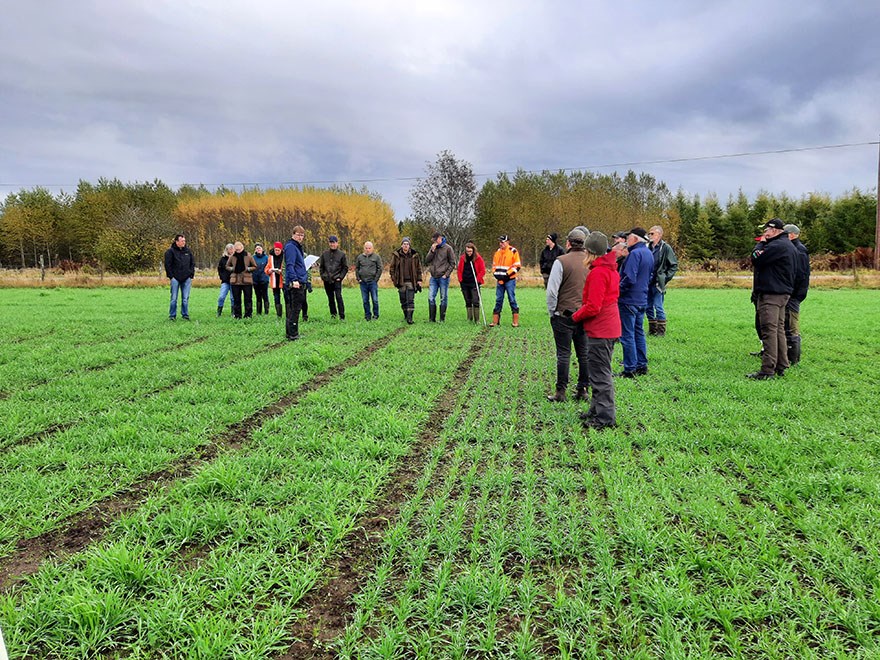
280, 91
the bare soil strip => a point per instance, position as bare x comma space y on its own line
329, 607
90, 526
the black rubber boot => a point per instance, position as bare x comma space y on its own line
432, 312
794, 350
442, 313
220, 311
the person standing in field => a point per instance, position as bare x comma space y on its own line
440, 261
406, 275
261, 280
241, 267
505, 266
367, 271
635, 279
334, 268
295, 279
180, 268
665, 268
225, 286
549, 255
275, 270
774, 262
471, 273
600, 315
798, 295
565, 286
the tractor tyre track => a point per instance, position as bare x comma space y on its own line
329, 607
90, 526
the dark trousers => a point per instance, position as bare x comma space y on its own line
293, 301
471, 296
771, 314
276, 294
565, 333
602, 407
407, 295
237, 291
261, 290
334, 297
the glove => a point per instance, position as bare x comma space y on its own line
418, 287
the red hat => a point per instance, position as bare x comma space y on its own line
278, 245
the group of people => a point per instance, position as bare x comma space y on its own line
598, 294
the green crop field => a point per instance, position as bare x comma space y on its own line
377, 490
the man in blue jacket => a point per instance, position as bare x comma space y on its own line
774, 263
635, 278
295, 278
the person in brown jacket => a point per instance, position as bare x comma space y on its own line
406, 275
241, 266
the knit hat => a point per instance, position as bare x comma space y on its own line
553, 236
278, 245
503, 237
405, 240
596, 243
576, 236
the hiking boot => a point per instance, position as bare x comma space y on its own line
582, 394
641, 371
626, 374
760, 375
558, 396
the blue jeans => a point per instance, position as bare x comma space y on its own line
655, 304
225, 290
509, 288
370, 291
632, 337
183, 288
441, 283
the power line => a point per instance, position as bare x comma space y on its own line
661, 161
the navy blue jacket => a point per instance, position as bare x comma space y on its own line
635, 277
260, 276
294, 263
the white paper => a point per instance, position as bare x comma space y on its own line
310, 260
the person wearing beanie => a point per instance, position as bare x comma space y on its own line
635, 278
665, 268
798, 295
261, 280
333, 269
367, 271
406, 275
440, 262
275, 270
565, 285
549, 254
225, 286
241, 267
505, 266
599, 315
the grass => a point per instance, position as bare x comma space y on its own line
723, 517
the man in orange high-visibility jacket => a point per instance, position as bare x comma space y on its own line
505, 266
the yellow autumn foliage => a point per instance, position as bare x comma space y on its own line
265, 216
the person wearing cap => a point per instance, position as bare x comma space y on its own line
774, 264
798, 295
565, 286
333, 269
275, 271
261, 280
599, 315
618, 247
665, 268
406, 275
367, 271
440, 262
295, 279
471, 272
505, 266
241, 267
635, 278
549, 255
225, 286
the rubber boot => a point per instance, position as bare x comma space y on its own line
583, 394
220, 311
432, 312
652, 327
470, 313
661, 328
442, 313
496, 319
408, 315
476, 314
278, 310
516, 319
794, 350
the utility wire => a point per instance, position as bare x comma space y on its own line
661, 161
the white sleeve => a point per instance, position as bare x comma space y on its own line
553, 286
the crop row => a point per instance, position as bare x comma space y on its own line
215, 566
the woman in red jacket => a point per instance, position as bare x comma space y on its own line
471, 271
601, 321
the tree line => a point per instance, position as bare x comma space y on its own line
125, 227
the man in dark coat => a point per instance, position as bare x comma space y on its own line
551, 252
798, 295
665, 268
334, 268
774, 262
180, 268
295, 279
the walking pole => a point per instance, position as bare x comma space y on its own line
479, 297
